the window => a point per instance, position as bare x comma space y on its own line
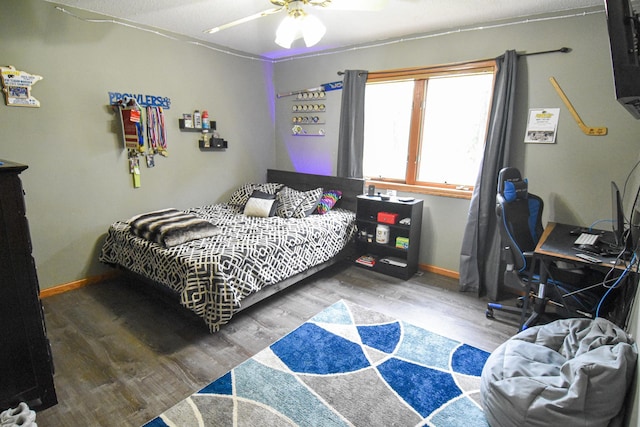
426, 128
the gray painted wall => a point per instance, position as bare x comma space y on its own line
78, 181
572, 176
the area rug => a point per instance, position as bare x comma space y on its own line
347, 366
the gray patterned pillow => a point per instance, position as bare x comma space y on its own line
242, 194
288, 201
270, 187
309, 202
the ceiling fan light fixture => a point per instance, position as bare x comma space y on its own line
298, 24
312, 30
287, 31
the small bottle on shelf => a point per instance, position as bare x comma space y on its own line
197, 119
205, 121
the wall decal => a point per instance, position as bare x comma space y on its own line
16, 86
116, 98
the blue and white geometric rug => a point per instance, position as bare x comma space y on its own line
347, 366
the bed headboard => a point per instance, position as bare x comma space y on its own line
350, 187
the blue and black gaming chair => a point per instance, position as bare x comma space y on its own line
520, 221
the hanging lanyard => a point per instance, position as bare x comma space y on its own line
152, 129
156, 130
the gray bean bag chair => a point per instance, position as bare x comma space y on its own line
571, 372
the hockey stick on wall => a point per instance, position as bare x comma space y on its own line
588, 130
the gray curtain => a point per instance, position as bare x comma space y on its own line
480, 266
351, 134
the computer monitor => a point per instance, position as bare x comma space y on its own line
617, 215
634, 225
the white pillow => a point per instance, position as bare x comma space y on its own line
260, 205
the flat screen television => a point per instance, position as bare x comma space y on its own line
623, 26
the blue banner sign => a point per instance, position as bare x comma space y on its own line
142, 100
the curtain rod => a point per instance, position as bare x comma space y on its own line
561, 50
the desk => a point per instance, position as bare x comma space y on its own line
556, 244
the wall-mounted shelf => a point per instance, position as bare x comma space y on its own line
214, 144
298, 130
309, 108
310, 95
309, 134
305, 120
191, 129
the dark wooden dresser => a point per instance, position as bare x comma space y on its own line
26, 368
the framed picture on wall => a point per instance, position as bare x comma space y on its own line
542, 126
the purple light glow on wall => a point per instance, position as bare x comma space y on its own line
271, 91
306, 159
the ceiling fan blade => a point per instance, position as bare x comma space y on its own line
243, 20
372, 5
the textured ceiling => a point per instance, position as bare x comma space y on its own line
345, 28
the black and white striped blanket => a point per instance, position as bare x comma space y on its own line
171, 227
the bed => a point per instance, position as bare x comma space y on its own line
230, 260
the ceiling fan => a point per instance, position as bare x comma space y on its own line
298, 23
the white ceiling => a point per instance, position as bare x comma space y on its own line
345, 28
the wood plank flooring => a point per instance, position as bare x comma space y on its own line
123, 355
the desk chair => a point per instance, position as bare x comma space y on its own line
520, 223
520, 220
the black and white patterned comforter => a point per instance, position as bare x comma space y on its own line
213, 275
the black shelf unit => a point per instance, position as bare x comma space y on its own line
367, 211
26, 366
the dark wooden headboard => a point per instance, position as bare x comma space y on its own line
350, 187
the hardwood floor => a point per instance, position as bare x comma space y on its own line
123, 355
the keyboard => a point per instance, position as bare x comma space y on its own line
586, 239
